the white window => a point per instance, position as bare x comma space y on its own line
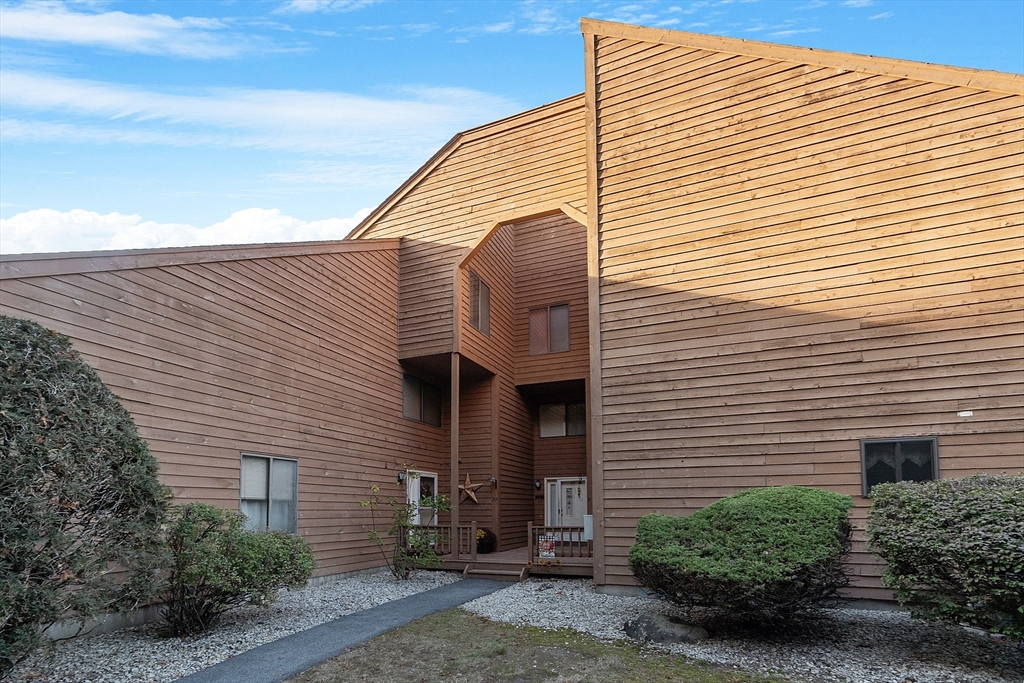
563, 419
269, 488
479, 304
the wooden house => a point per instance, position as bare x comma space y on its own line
727, 264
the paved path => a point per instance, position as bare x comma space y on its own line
291, 655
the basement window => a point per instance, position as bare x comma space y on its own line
269, 492
563, 419
549, 329
479, 304
421, 401
892, 460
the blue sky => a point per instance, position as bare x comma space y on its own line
144, 124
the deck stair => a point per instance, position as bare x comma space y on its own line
498, 572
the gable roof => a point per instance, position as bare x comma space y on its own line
885, 66
494, 128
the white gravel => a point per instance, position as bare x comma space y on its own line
139, 654
845, 645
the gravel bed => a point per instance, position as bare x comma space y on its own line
139, 654
842, 646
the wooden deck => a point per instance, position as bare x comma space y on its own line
510, 565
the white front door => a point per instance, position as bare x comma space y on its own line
418, 486
565, 501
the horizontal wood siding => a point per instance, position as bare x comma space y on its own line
265, 355
794, 258
495, 263
551, 269
493, 171
475, 443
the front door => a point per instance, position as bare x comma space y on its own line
565, 501
418, 487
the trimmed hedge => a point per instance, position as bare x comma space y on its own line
218, 565
78, 492
762, 555
954, 548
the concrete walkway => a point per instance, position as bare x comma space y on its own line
291, 655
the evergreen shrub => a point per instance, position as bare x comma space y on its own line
954, 548
80, 504
763, 555
217, 565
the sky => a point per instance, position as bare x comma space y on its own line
155, 124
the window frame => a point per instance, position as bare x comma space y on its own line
422, 389
565, 419
933, 440
547, 329
479, 304
264, 525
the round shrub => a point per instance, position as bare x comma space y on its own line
218, 565
954, 548
79, 494
762, 555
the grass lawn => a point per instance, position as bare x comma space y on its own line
457, 646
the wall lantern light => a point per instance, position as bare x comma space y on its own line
401, 477
537, 484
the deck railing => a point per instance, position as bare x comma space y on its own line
460, 545
554, 543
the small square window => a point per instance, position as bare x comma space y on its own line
479, 304
421, 401
269, 489
563, 419
891, 460
549, 329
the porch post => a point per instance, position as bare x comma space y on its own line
455, 447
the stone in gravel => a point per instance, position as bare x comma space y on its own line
663, 629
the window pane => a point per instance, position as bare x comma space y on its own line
431, 405
916, 460
256, 514
880, 463
254, 477
474, 300
559, 328
485, 308
411, 397
576, 419
282, 495
538, 331
552, 419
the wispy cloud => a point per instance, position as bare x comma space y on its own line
793, 32
48, 230
153, 34
309, 6
412, 121
883, 15
858, 3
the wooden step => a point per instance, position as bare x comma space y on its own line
499, 574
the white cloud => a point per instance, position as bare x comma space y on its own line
47, 230
795, 31
154, 34
858, 3
883, 15
309, 6
416, 118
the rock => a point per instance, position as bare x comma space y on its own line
658, 628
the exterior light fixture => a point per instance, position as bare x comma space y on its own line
537, 484
401, 477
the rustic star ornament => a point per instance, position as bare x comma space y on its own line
468, 490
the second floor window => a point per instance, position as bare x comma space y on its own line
479, 304
421, 401
563, 419
549, 329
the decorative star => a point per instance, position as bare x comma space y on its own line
468, 490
